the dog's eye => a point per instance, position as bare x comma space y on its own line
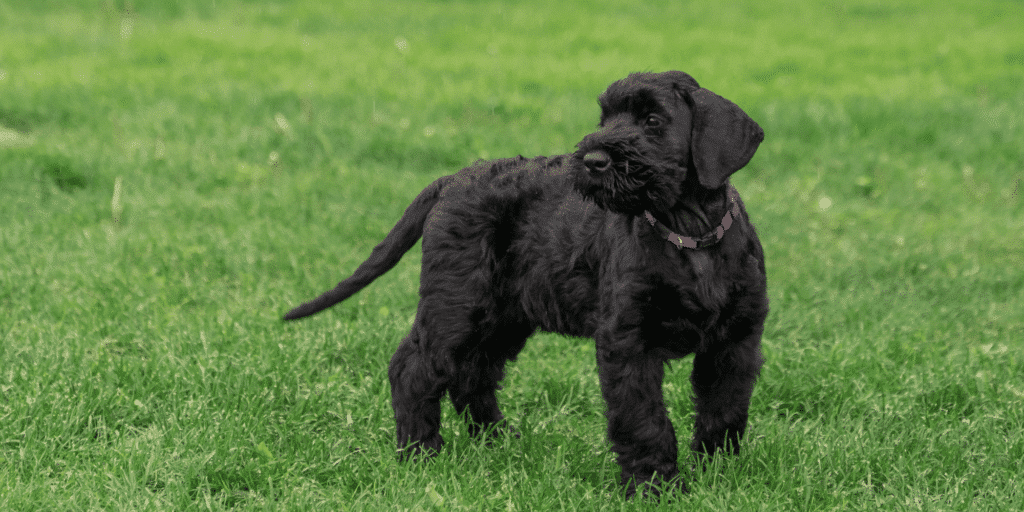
653, 121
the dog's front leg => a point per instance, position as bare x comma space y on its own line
723, 382
638, 426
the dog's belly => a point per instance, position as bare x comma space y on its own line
668, 326
564, 306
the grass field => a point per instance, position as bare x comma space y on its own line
174, 175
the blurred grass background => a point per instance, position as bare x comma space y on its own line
174, 175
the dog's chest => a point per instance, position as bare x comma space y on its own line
699, 264
709, 276
699, 281
685, 304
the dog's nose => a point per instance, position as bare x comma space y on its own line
597, 161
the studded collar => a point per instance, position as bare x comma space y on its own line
707, 239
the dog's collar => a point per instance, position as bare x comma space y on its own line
708, 239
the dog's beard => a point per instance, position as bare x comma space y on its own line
616, 191
633, 184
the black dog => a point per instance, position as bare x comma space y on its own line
637, 240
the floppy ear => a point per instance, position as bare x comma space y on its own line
723, 138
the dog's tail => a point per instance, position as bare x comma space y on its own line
384, 257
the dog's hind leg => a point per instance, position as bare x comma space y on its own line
480, 370
416, 391
454, 347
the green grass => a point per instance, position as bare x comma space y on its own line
262, 148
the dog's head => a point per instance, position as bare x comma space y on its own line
655, 128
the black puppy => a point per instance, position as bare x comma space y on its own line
637, 240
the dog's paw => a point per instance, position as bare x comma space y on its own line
494, 432
656, 488
421, 450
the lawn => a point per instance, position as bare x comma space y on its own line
174, 175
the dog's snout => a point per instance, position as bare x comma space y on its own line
597, 161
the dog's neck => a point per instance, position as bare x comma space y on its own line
690, 225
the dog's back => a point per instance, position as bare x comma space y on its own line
504, 188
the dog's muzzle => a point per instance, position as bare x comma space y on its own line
597, 162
